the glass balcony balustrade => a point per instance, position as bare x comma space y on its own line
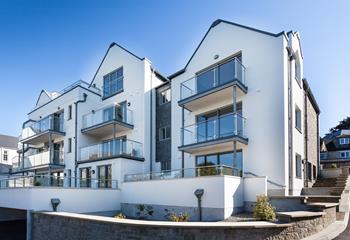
49, 123
111, 113
230, 71
215, 170
228, 125
112, 148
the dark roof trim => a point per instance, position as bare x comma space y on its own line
215, 23
164, 84
62, 95
160, 76
307, 89
42, 91
104, 57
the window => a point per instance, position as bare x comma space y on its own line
104, 174
85, 177
345, 154
113, 83
165, 165
343, 141
298, 166
69, 112
314, 172
309, 171
297, 118
164, 97
69, 145
323, 155
5, 157
226, 159
164, 133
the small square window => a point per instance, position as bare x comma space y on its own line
5, 157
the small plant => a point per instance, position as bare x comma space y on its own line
144, 211
181, 217
37, 183
334, 165
120, 216
263, 209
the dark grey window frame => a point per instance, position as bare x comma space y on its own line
298, 166
69, 145
160, 133
69, 112
116, 92
162, 97
298, 119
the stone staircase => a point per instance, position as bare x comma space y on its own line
327, 189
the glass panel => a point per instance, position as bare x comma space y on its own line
211, 160
205, 81
200, 161
108, 114
226, 159
227, 72
238, 164
226, 125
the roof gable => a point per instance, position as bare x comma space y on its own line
214, 24
113, 44
43, 98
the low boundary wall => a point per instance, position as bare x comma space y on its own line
78, 226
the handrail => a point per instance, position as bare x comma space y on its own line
269, 181
216, 118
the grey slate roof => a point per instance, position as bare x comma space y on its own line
8, 141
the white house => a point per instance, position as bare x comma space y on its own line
235, 122
8, 150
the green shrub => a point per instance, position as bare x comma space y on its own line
182, 217
120, 216
263, 209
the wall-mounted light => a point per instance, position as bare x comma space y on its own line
129, 104
93, 111
93, 171
58, 108
216, 56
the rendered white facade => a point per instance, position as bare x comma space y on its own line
261, 102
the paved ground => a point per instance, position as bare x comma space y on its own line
346, 234
13, 230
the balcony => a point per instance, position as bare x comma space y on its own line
117, 148
213, 85
102, 122
214, 135
42, 160
215, 170
36, 132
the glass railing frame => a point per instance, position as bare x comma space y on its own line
128, 117
44, 181
215, 81
123, 150
219, 170
217, 136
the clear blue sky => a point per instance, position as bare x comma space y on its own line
50, 44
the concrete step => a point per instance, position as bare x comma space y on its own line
323, 198
295, 215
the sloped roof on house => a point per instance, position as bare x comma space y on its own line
8, 141
214, 24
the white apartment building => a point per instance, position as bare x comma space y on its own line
235, 122
8, 149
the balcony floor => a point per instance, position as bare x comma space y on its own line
220, 93
42, 137
214, 146
43, 167
106, 128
